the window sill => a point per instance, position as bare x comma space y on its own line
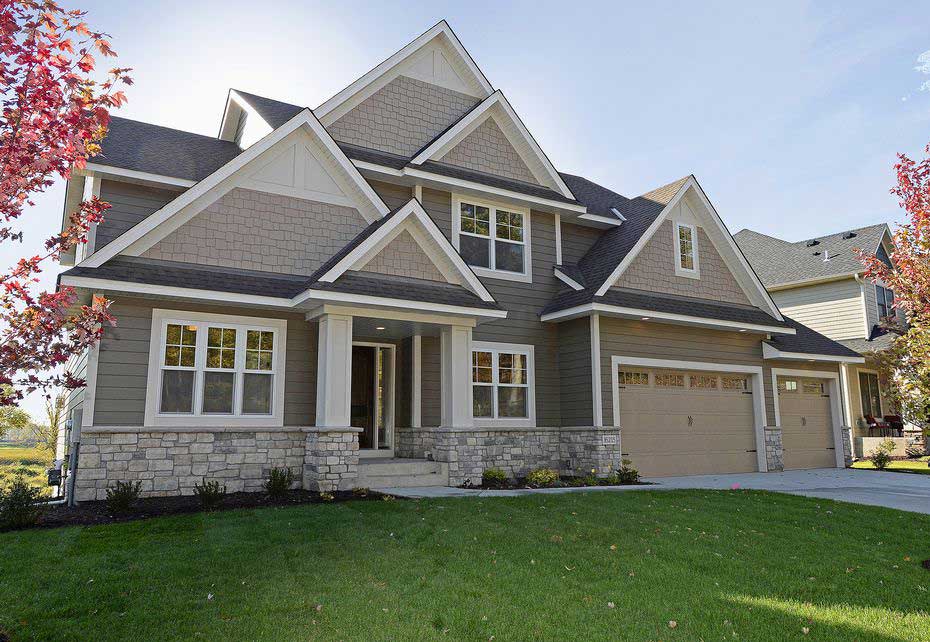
527, 422
174, 421
503, 276
688, 274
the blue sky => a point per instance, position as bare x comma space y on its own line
790, 115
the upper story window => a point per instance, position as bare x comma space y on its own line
215, 370
686, 250
885, 298
502, 384
493, 239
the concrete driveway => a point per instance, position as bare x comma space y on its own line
893, 490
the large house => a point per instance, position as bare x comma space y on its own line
820, 282
399, 287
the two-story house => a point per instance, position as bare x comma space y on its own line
820, 282
399, 287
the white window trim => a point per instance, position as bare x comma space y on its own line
160, 320
880, 301
881, 402
516, 348
680, 271
527, 275
836, 407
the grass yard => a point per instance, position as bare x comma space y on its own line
29, 462
919, 466
600, 565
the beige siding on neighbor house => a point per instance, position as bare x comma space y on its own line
402, 117
833, 309
404, 257
661, 341
653, 270
259, 231
122, 366
855, 397
487, 150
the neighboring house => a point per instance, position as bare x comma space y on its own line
398, 287
820, 283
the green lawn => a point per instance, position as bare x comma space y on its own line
29, 462
600, 565
903, 465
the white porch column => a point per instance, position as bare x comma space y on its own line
334, 372
456, 377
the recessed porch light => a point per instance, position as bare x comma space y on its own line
380, 327
646, 318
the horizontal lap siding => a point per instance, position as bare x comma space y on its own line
129, 204
430, 374
665, 341
576, 241
576, 399
393, 196
834, 309
122, 367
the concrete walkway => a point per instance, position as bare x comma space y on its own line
893, 490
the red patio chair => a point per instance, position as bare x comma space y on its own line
895, 424
876, 424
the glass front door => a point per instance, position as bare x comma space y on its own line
373, 396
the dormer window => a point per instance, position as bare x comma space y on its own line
686, 251
885, 298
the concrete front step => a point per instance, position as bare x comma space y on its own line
402, 473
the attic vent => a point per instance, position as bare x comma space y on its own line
813, 242
816, 253
826, 256
849, 235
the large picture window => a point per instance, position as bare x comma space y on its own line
502, 382
215, 369
492, 238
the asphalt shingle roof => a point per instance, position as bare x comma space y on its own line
364, 283
130, 144
274, 112
521, 187
778, 262
687, 306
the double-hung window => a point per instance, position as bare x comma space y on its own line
215, 370
885, 298
869, 394
502, 383
493, 239
686, 250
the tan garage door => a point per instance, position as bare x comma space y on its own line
677, 422
806, 423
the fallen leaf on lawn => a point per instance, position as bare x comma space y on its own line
385, 610
610, 605
318, 607
209, 596
672, 624
613, 547
556, 538
805, 630
569, 568
632, 573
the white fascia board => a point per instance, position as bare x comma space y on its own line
100, 168
370, 78
455, 134
771, 352
644, 239
149, 224
605, 220
773, 309
172, 291
567, 280
652, 315
413, 208
403, 304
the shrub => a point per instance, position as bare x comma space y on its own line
123, 495
494, 478
613, 479
626, 474
881, 456
279, 482
360, 492
19, 505
327, 497
210, 493
542, 478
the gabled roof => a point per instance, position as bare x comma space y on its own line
273, 112
779, 262
462, 64
497, 106
153, 149
144, 234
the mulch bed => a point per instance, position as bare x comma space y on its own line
97, 512
564, 482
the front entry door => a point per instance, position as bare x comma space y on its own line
373, 397
363, 394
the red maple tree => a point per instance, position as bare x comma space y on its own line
907, 363
55, 113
